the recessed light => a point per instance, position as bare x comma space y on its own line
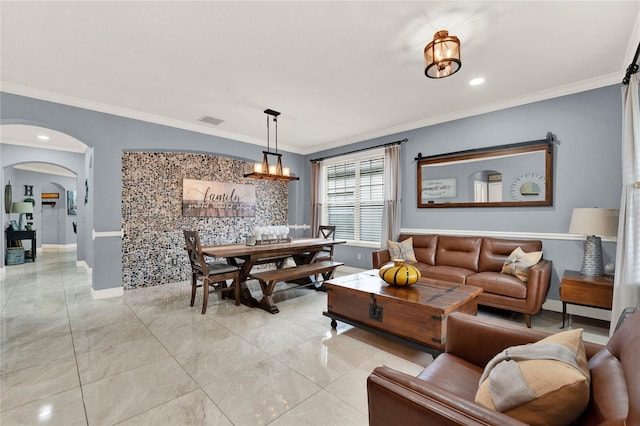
476, 81
43, 137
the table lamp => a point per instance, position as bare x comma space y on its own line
594, 223
22, 208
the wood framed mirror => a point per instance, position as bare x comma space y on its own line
516, 175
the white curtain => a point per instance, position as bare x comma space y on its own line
316, 196
391, 209
626, 286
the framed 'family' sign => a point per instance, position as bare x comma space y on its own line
217, 199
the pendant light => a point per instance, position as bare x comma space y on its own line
442, 55
268, 171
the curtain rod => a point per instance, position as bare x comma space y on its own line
315, 160
633, 67
550, 139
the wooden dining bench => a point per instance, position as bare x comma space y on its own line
269, 279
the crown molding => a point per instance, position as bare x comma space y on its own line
569, 89
59, 98
542, 95
634, 40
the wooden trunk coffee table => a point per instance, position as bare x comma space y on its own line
416, 315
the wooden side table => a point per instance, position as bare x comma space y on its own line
578, 289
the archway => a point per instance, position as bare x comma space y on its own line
39, 160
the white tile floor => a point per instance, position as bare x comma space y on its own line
148, 358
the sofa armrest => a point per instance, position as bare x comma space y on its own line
538, 280
380, 257
477, 339
396, 398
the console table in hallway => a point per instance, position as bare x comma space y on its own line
23, 235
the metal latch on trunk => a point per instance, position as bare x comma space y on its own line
375, 311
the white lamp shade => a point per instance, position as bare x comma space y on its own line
594, 221
22, 207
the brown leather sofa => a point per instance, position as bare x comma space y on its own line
477, 261
444, 393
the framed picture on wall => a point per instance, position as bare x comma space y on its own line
72, 203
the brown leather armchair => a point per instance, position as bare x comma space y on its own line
444, 393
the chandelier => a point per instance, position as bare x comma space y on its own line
442, 55
268, 171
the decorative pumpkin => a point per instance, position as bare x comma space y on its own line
400, 274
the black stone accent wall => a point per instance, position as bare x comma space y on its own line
152, 212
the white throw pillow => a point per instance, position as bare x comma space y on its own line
518, 263
402, 250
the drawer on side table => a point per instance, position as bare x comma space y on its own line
596, 292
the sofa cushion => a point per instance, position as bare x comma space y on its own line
424, 247
518, 263
401, 250
450, 274
496, 283
495, 251
422, 267
461, 252
544, 383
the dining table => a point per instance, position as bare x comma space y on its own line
301, 250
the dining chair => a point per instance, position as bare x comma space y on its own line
213, 275
327, 232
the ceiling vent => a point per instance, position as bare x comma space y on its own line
210, 120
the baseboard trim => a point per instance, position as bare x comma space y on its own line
83, 264
107, 293
64, 247
106, 234
583, 311
503, 234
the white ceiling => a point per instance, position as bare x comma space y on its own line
32, 136
38, 137
339, 72
50, 169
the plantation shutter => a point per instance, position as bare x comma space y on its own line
354, 198
371, 199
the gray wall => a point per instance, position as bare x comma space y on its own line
11, 155
587, 168
53, 224
588, 171
108, 136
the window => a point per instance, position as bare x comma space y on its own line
354, 196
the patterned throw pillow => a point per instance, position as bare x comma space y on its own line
519, 262
543, 383
402, 250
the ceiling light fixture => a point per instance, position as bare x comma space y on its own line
275, 171
476, 81
43, 137
442, 55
